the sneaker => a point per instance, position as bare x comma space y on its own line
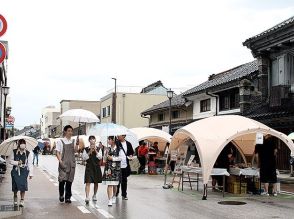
125, 198
275, 194
61, 199
21, 203
265, 193
113, 200
94, 198
110, 203
15, 201
87, 201
68, 201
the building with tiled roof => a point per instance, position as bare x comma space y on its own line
262, 89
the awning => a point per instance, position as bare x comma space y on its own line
212, 134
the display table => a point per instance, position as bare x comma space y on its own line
244, 172
251, 172
198, 171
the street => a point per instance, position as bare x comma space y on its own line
147, 199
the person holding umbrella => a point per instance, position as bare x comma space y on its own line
92, 155
66, 148
112, 173
21, 159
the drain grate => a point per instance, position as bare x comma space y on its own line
232, 203
8, 208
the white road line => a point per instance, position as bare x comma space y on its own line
55, 184
101, 211
72, 198
51, 180
104, 213
84, 210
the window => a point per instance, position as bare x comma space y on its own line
108, 111
282, 70
235, 100
104, 112
176, 114
161, 117
229, 100
205, 105
225, 102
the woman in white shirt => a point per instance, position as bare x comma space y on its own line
92, 155
21, 159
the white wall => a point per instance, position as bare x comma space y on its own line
200, 115
196, 106
46, 119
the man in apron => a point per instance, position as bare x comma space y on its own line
65, 152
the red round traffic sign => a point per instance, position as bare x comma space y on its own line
2, 53
3, 25
10, 119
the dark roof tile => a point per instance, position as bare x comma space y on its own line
225, 77
177, 101
285, 23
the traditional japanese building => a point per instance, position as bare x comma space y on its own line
262, 89
274, 51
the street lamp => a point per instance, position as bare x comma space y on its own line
170, 95
8, 111
5, 92
114, 102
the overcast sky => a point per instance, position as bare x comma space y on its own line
70, 49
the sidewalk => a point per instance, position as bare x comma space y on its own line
41, 200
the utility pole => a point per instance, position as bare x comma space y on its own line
114, 102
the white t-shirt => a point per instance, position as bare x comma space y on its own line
59, 144
123, 163
86, 155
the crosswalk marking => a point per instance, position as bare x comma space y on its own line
55, 184
83, 209
104, 213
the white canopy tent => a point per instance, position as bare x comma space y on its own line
152, 135
212, 134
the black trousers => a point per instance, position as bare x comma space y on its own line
123, 183
67, 186
142, 161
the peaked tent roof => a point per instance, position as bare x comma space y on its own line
210, 136
152, 135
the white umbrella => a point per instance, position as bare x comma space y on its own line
107, 129
79, 115
132, 138
7, 146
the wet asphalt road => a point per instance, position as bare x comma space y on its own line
147, 200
